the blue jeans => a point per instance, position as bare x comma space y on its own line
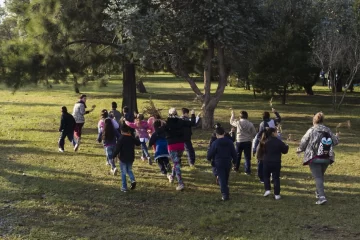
190, 152
144, 149
246, 147
126, 168
109, 156
223, 173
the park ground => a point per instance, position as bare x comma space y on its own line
49, 195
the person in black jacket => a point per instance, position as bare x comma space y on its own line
222, 153
125, 150
272, 148
187, 136
66, 129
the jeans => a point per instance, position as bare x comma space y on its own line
109, 155
246, 147
63, 135
78, 129
318, 170
190, 152
223, 173
260, 170
272, 168
126, 168
144, 149
176, 159
164, 164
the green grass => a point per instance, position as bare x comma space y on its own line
48, 195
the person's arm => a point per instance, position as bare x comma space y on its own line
117, 135
256, 143
193, 120
261, 127
131, 124
233, 121
334, 138
115, 124
152, 140
211, 152
284, 147
304, 141
62, 123
252, 130
118, 147
277, 118
233, 154
99, 137
82, 110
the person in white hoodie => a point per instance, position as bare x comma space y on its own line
244, 136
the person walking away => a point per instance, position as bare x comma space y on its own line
103, 116
128, 116
245, 134
158, 139
174, 130
125, 150
115, 113
66, 129
272, 149
222, 153
187, 136
317, 145
79, 113
141, 127
109, 136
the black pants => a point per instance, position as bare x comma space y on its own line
63, 135
223, 173
274, 169
190, 152
246, 147
260, 169
164, 165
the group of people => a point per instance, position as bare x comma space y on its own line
120, 133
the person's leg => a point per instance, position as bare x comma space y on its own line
62, 141
130, 172
167, 164
275, 170
175, 157
247, 156
316, 170
123, 169
221, 171
260, 171
190, 152
238, 152
144, 150
78, 131
109, 156
70, 137
161, 164
266, 175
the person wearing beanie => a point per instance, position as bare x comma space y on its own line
66, 129
222, 153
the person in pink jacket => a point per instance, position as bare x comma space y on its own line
141, 127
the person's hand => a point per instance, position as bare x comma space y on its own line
273, 110
298, 150
232, 113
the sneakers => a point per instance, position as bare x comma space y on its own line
225, 198
191, 165
277, 197
180, 187
142, 158
114, 171
61, 150
262, 181
171, 179
76, 147
133, 185
267, 193
124, 190
149, 161
321, 201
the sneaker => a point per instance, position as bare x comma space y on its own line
171, 179
321, 201
142, 158
317, 195
225, 198
149, 161
114, 171
277, 197
248, 174
262, 181
191, 165
76, 147
180, 187
133, 185
61, 150
123, 189
107, 163
267, 193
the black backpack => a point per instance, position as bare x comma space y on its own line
324, 145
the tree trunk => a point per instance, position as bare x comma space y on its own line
339, 84
308, 89
129, 87
208, 116
141, 87
283, 97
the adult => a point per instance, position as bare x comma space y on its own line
187, 136
244, 136
66, 129
79, 113
174, 129
317, 145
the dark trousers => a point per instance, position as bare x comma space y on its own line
223, 173
190, 152
260, 170
63, 135
164, 165
246, 147
273, 169
78, 129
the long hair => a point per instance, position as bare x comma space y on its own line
265, 136
109, 130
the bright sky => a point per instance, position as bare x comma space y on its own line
1, 2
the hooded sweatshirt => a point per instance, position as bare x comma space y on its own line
245, 129
140, 129
222, 152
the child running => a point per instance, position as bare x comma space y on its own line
125, 150
158, 139
221, 152
141, 127
66, 129
271, 148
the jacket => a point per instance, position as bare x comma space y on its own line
67, 123
188, 129
272, 123
141, 130
125, 148
274, 147
222, 152
158, 138
174, 129
116, 114
79, 112
107, 143
213, 138
309, 139
245, 129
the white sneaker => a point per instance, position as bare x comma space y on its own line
321, 201
76, 147
180, 187
114, 171
60, 150
171, 179
277, 197
267, 193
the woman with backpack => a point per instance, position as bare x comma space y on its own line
317, 145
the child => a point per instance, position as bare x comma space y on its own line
272, 147
66, 129
125, 150
158, 139
109, 137
115, 113
187, 136
105, 115
141, 127
221, 152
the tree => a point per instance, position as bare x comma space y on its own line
181, 36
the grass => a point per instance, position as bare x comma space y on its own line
48, 195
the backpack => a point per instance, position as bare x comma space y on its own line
324, 145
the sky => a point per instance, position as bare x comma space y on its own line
1, 2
